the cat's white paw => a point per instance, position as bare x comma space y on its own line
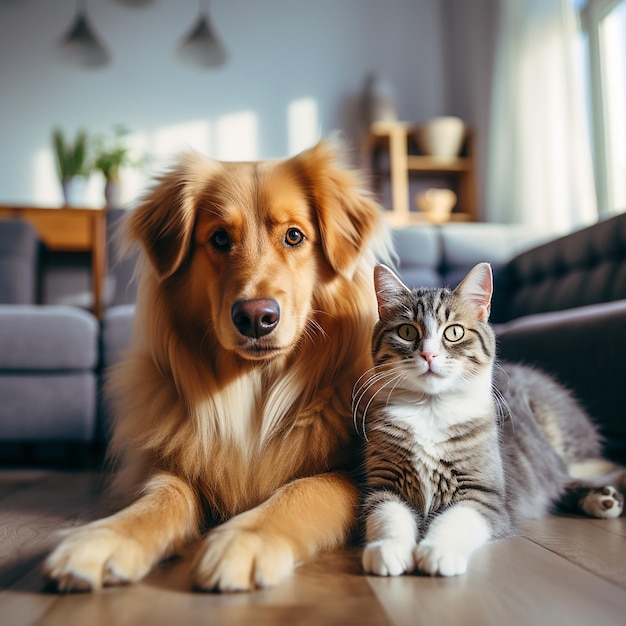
450, 541
235, 559
440, 560
389, 557
604, 503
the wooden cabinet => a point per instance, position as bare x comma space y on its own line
70, 230
391, 153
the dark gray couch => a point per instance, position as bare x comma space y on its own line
560, 305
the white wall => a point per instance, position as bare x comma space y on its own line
469, 45
281, 52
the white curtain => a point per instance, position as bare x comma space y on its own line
539, 171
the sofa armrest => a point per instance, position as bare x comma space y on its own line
19, 253
584, 349
583, 268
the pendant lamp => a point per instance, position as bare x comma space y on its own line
135, 3
80, 45
201, 46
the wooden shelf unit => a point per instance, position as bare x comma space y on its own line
398, 139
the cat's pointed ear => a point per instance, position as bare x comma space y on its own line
388, 288
477, 288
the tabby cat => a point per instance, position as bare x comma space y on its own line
459, 450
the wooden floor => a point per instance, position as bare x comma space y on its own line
560, 571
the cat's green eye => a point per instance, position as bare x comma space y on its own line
408, 332
455, 332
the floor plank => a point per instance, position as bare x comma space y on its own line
560, 571
330, 590
617, 526
513, 582
31, 516
24, 603
592, 546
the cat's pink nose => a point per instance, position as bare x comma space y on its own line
429, 356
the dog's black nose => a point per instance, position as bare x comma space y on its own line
255, 318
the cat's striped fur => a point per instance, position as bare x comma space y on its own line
459, 451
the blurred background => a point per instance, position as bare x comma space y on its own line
540, 83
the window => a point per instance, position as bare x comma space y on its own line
605, 24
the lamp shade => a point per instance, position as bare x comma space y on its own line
80, 46
201, 46
135, 3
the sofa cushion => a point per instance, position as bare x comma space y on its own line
19, 247
419, 255
434, 256
464, 245
47, 338
48, 406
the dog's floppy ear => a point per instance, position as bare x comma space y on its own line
163, 222
346, 213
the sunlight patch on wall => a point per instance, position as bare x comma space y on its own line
613, 43
233, 137
45, 180
170, 140
47, 187
161, 148
237, 137
302, 124
136, 179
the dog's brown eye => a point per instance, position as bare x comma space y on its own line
221, 240
294, 237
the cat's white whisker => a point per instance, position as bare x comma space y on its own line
502, 408
361, 391
400, 378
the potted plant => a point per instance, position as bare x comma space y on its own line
72, 165
111, 154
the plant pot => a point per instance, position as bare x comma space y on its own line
74, 190
442, 137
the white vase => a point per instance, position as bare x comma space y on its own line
112, 194
74, 190
442, 137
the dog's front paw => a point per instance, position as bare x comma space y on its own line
603, 502
235, 559
388, 557
440, 560
95, 556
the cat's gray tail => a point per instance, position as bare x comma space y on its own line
595, 469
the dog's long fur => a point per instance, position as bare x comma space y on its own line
217, 427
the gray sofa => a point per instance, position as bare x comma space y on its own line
51, 349
49, 355
560, 305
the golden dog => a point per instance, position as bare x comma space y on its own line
254, 314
